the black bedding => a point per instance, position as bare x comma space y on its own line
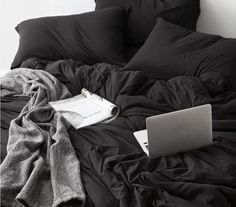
115, 170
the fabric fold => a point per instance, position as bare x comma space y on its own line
41, 167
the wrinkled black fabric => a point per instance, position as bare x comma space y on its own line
171, 51
11, 106
91, 37
115, 170
142, 17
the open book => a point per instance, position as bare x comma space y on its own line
85, 109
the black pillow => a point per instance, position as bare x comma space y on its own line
89, 37
171, 50
142, 17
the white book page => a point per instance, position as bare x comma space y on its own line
111, 108
142, 138
85, 111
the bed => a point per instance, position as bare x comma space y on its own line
147, 65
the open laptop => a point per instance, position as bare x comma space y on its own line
177, 131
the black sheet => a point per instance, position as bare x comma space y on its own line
11, 106
115, 170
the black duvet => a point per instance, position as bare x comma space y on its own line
115, 170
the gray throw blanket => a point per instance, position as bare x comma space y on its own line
41, 167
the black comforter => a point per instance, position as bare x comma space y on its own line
115, 170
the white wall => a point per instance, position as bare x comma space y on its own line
217, 17
13, 12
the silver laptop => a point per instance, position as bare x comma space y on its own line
177, 131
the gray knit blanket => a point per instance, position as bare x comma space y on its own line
41, 167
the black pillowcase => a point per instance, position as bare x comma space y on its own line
171, 51
90, 38
142, 15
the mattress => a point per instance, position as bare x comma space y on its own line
114, 169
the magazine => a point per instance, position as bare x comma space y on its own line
86, 109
